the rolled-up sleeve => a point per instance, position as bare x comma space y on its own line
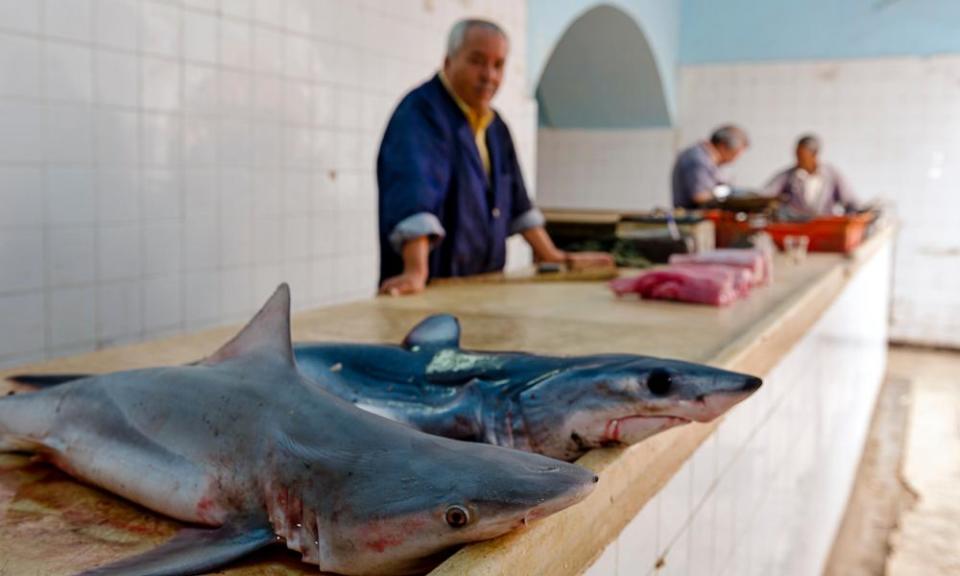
421, 224
523, 214
532, 218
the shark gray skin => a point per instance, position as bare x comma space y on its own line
560, 407
557, 406
244, 447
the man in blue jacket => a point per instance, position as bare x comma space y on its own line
450, 186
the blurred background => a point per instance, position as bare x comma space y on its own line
165, 163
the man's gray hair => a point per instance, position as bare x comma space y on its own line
809, 142
730, 137
459, 33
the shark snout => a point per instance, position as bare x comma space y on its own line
704, 401
751, 384
523, 485
548, 486
572, 485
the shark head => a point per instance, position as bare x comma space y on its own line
356, 493
408, 503
622, 399
379, 497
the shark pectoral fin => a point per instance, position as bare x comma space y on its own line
437, 331
193, 551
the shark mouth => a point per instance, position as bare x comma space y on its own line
633, 429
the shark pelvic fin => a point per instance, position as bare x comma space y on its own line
268, 332
193, 551
437, 331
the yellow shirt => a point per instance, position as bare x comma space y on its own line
478, 123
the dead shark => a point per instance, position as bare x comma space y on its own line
243, 446
561, 407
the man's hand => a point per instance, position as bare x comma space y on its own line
415, 269
544, 250
406, 283
584, 260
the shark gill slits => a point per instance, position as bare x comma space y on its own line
456, 516
659, 382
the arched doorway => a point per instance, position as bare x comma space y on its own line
605, 138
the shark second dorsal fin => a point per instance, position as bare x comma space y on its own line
267, 333
437, 331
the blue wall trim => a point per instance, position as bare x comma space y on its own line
714, 31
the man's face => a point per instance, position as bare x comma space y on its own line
807, 159
476, 70
729, 154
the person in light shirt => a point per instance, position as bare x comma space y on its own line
810, 187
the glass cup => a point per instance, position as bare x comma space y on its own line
796, 247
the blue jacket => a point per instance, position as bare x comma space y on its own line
432, 182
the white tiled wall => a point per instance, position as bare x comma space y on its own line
604, 169
165, 163
766, 492
891, 126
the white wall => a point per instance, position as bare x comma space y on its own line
164, 164
604, 169
892, 126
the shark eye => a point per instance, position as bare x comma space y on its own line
457, 516
659, 382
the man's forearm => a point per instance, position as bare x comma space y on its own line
543, 247
416, 254
703, 197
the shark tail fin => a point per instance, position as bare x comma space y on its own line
22, 420
193, 551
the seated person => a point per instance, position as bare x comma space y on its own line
811, 188
696, 180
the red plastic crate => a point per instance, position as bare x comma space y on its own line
826, 233
727, 229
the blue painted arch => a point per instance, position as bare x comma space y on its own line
604, 65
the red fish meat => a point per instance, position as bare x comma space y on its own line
714, 285
757, 261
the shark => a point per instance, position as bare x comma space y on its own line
558, 406
250, 452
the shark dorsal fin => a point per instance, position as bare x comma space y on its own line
268, 333
437, 331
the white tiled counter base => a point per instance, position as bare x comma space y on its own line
766, 492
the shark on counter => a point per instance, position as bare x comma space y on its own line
251, 452
561, 407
